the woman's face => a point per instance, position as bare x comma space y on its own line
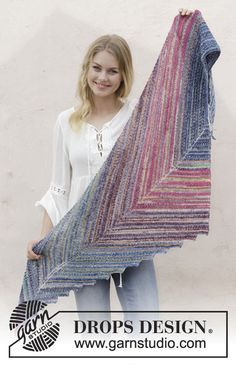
104, 76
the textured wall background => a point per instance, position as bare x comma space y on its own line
42, 46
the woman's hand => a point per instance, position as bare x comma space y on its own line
185, 11
30, 254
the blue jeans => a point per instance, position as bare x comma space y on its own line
138, 293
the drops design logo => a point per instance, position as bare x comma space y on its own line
34, 326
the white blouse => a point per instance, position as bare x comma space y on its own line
77, 157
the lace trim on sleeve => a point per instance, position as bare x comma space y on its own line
58, 190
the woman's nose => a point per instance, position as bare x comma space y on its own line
103, 76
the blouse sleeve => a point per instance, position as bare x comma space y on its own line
55, 200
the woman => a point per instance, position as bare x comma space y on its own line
83, 138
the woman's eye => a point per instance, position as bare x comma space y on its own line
98, 69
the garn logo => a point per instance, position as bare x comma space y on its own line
37, 330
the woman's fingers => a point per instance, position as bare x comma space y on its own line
185, 11
31, 255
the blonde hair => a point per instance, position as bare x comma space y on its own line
118, 47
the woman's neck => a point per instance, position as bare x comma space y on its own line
105, 106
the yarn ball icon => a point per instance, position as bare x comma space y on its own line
34, 326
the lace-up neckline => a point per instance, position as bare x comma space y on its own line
108, 122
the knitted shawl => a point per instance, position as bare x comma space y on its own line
153, 190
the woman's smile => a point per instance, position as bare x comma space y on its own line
100, 85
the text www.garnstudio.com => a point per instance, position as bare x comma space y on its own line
145, 343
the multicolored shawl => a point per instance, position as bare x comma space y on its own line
153, 190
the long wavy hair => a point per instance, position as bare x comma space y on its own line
119, 48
